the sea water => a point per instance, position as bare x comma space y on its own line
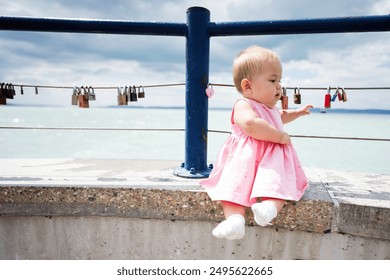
74, 133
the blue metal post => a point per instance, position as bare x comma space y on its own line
197, 78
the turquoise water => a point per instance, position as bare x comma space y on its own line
346, 155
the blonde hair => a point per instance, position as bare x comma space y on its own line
249, 62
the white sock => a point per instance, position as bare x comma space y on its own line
264, 212
231, 228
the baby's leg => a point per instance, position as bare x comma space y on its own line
265, 211
234, 225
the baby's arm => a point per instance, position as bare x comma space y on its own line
255, 127
291, 115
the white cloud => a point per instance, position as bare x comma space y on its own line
381, 7
361, 65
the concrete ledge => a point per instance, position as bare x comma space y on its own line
120, 238
356, 204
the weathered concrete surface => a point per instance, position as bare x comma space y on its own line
337, 202
118, 238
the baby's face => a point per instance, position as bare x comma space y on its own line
265, 86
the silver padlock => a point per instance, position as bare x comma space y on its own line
92, 95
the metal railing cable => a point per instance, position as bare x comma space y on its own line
94, 87
315, 88
211, 84
181, 130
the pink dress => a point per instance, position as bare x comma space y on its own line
247, 168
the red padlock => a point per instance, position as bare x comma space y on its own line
328, 99
339, 94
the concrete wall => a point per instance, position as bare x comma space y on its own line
130, 238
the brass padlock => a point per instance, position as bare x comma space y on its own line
119, 97
76, 92
125, 96
297, 96
284, 99
344, 95
141, 92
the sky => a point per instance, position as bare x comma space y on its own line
101, 60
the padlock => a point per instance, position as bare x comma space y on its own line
141, 92
119, 96
335, 95
209, 91
284, 99
83, 99
36, 90
92, 95
13, 92
8, 92
125, 96
21, 90
344, 95
3, 99
327, 99
75, 98
297, 96
285, 102
340, 95
85, 91
2, 89
133, 94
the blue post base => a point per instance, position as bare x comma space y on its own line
192, 173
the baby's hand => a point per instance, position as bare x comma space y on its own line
286, 140
304, 110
